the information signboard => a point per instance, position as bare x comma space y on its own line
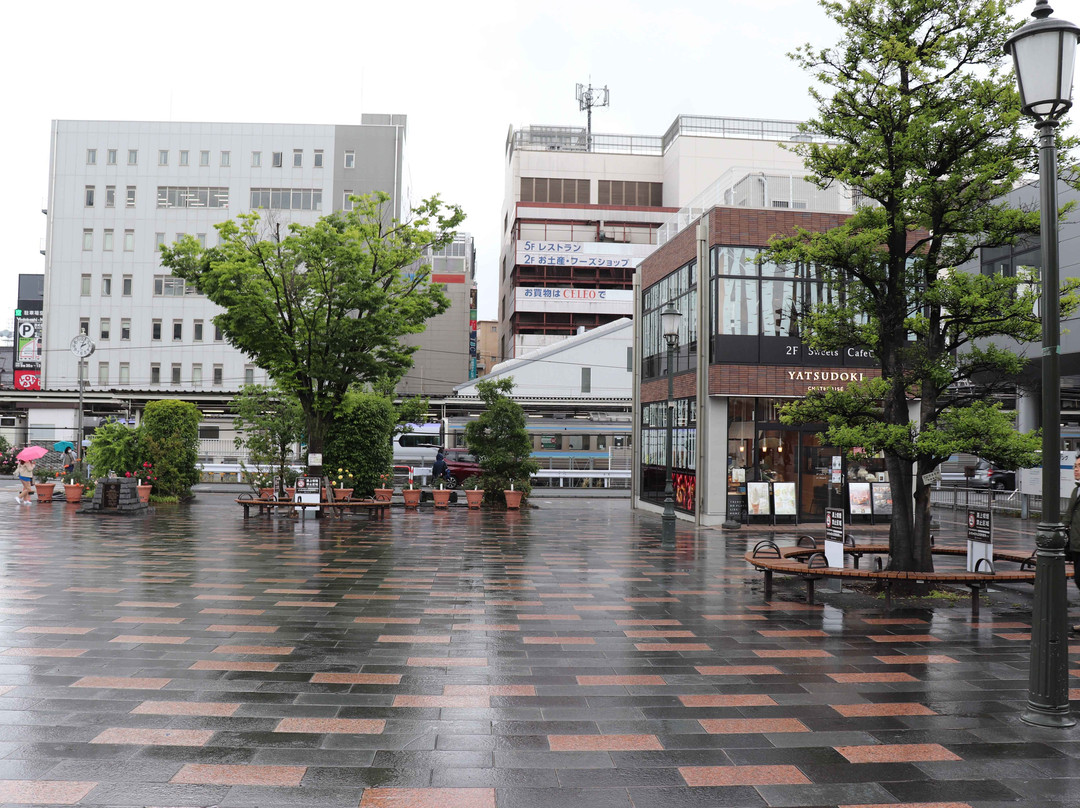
881, 495
859, 499
308, 489
980, 540
834, 537
784, 499
758, 499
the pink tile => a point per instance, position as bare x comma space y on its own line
45, 792
155, 737
407, 621
239, 775
254, 649
558, 640
356, 678
801, 653
415, 639
350, 726
743, 776
916, 659
659, 633
44, 652
707, 700
735, 726
216, 709
242, 629
53, 630
672, 646
887, 708
215, 665
896, 753
604, 743
737, 670
428, 798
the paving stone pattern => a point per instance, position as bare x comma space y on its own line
554, 658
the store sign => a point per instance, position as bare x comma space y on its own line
27, 380
592, 301
600, 254
28, 336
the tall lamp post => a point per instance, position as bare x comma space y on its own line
670, 323
1044, 52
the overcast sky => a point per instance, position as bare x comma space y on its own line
462, 72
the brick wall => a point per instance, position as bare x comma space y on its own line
656, 390
780, 380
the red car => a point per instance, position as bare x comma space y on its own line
460, 465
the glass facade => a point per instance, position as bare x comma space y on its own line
680, 289
683, 451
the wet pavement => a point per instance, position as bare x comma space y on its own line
554, 658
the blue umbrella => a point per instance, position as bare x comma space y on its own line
61, 445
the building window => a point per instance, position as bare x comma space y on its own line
197, 331
88, 239
564, 191
226, 159
130, 197
256, 159
106, 282
350, 159
163, 157
125, 373
155, 373
176, 373
84, 286
185, 157
277, 159
630, 193
111, 157
168, 286
129, 241
297, 158
217, 374
155, 330
84, 326
178, 330
89, 199
218, 337
204, 158
346, 201
249, 374
125, 330
126, 286
287, 198
105, 327
133, 157
91, 157
107, 241
110, 196
586, 380
318, 158
201, 238
169, 196
103, 374
196, 375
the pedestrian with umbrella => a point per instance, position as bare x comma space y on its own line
68, 458
25, 471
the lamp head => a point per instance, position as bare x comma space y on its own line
670, 324
1044, 56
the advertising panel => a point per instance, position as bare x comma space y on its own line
784, 499
758, 499
859, 498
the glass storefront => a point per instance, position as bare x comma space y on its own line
761, 449
683, 447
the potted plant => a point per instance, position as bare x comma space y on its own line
441, 495
513, 498
145, 482
474, 494
74, 486
386, 487
46, 483
342, 484
411, 495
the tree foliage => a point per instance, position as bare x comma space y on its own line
500, 441
360, 439
923, 123
168, 438
269, 422
113, 447
323, 307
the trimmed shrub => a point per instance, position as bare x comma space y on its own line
360, 440
169, 438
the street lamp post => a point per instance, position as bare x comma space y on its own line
1044, 52
670, 323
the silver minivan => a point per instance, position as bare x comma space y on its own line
418, 446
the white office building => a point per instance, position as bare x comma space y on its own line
120, 189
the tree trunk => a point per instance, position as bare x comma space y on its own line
316, 426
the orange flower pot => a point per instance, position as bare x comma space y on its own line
442, 497
342, 493
474, 498
412, 497
44, 491
513, 500
144, 492
73, 492
384, 494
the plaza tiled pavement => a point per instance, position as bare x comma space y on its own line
556, 657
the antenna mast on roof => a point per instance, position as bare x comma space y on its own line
589, 97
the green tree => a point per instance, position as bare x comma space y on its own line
322, 307
922, 122
500, 441
113, 447
169, 439
360, 439
270, 422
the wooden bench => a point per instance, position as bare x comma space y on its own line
376, 508
806, 561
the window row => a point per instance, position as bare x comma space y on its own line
108, 240
277, 158
286, 198
90, 196
170, 196
105, 330
175, 370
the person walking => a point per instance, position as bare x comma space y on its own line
25, 473
439, 469
1072, 519
69, 461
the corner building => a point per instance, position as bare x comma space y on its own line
739, 360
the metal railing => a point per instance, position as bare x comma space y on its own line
1015, 503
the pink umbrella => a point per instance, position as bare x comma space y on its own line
32, 453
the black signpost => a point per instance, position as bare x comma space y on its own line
980, 540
